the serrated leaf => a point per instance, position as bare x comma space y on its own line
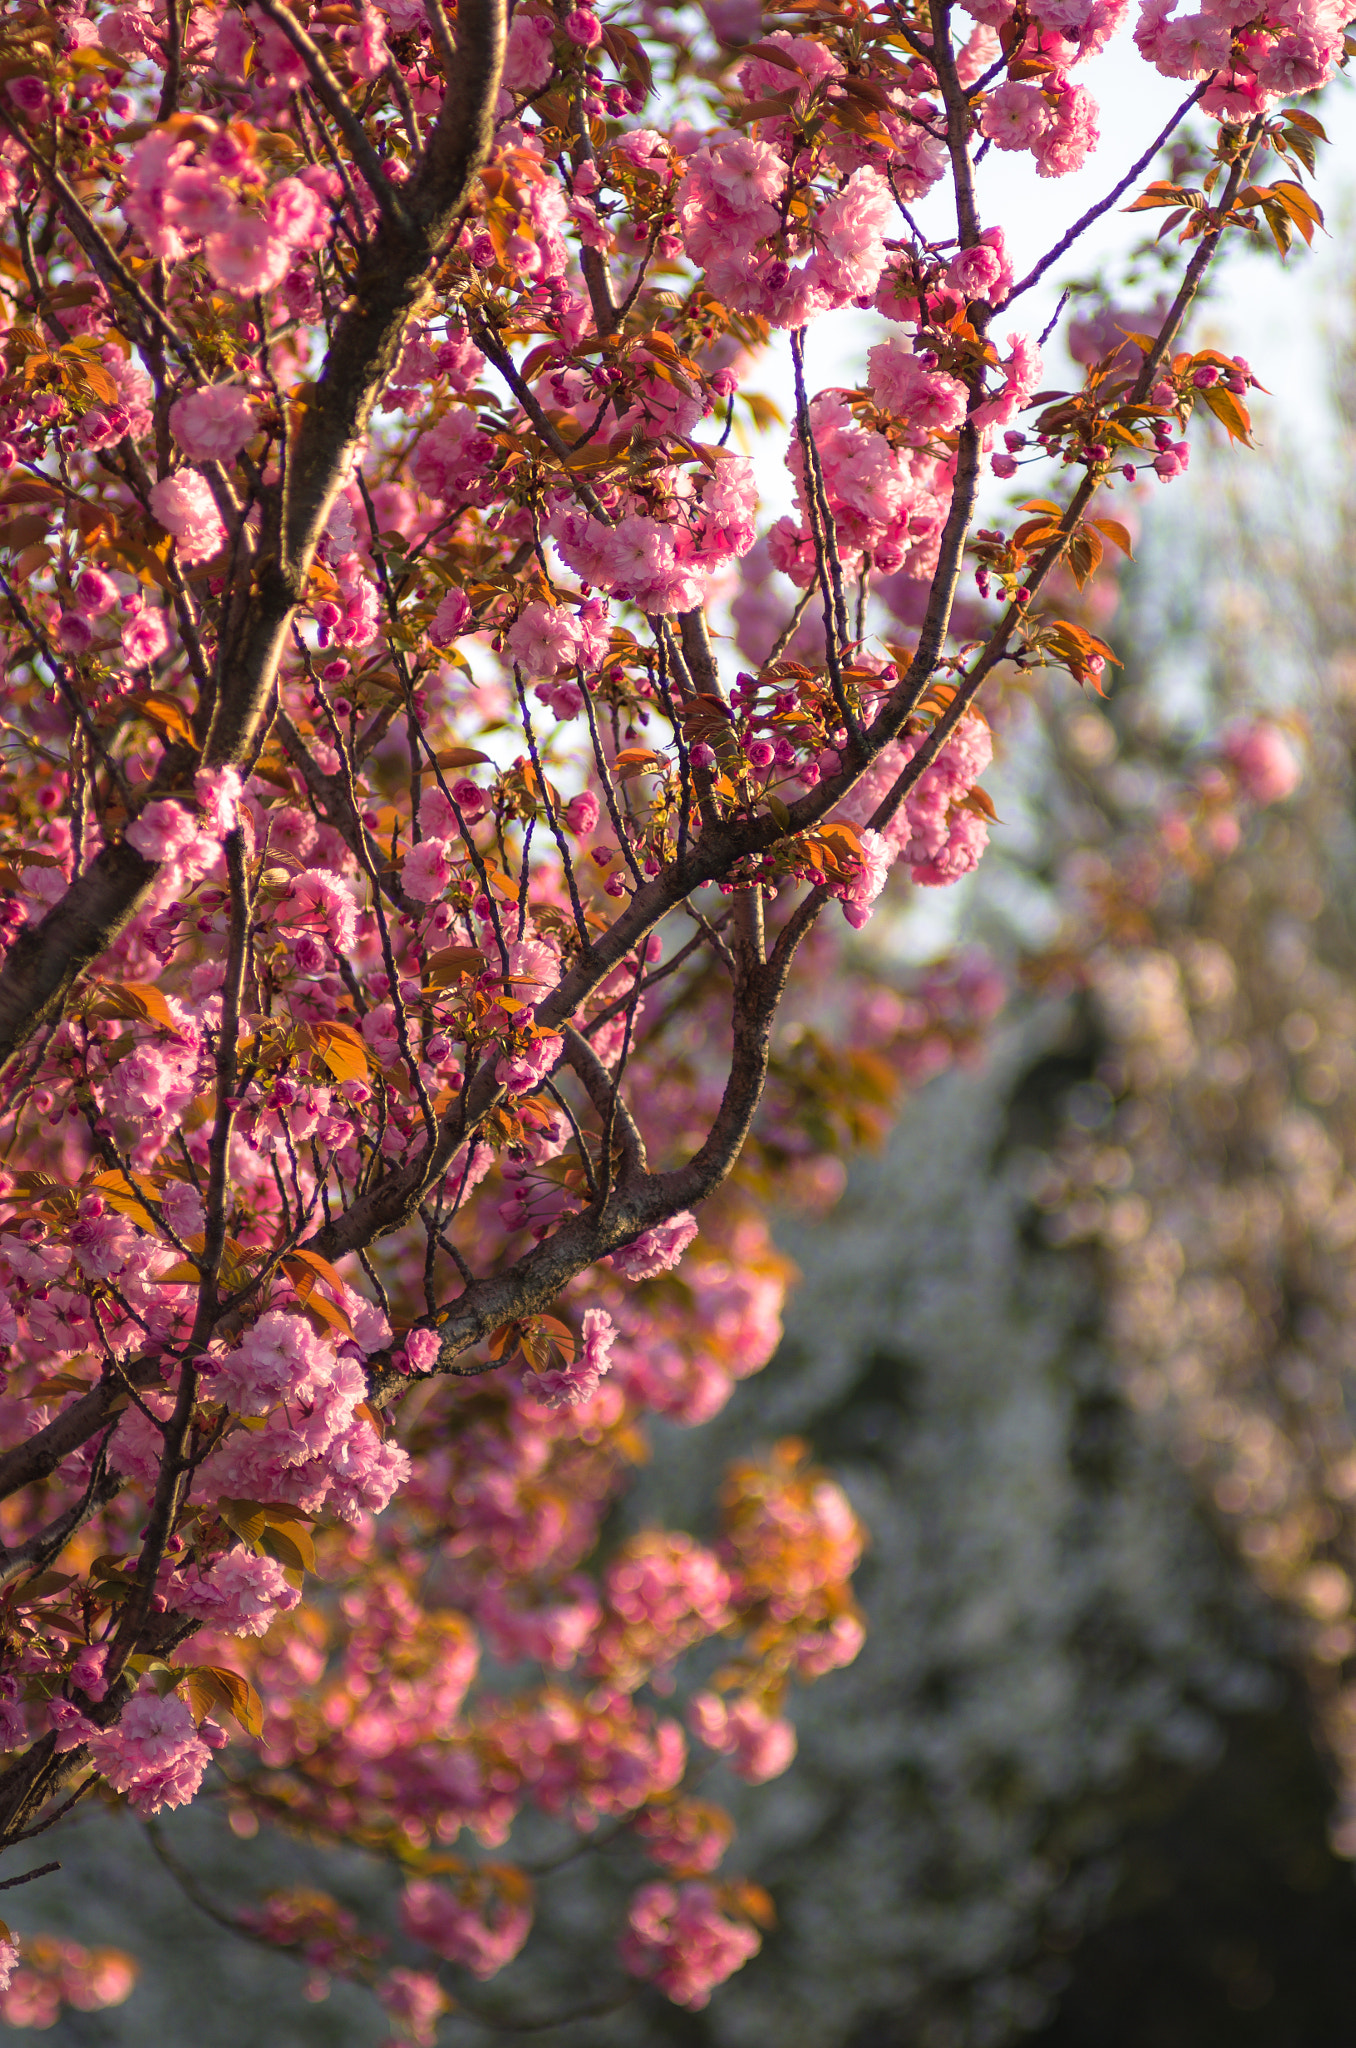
634, 761
220, 1689
132, 999
1116, 533
559, 1334
247, 1519
1160, 193
1085, 555
58, 1385
166, 712
453, 963
320, 1267
1034, 533
979, 801
291, 1545
343, 1050
317, 1305
1229, 411
771, 53
122, 1195
45, 1583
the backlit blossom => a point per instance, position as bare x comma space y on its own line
927, 400
428, 870
163, 831
184, 505
214, 424
544, 639
1015, 116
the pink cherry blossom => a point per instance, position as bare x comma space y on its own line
163, 831
212, 425
185, 507
657, 1250
428, 870
1015, 116
577, 1382
929, 401
1072, 135
984, 271
527, 62
1192, 46
1299, 63
247, 254
450, 459
218, 792
850, 236
759, 1745
241, 1594
320, 901
153, 1753
95, 593
582, 813
451, 618
145, 638
877, 856
281, 1358
544, 639
415, 2001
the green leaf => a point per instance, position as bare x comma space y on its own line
290, 1543
247, 1518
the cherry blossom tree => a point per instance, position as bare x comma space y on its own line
416, 965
